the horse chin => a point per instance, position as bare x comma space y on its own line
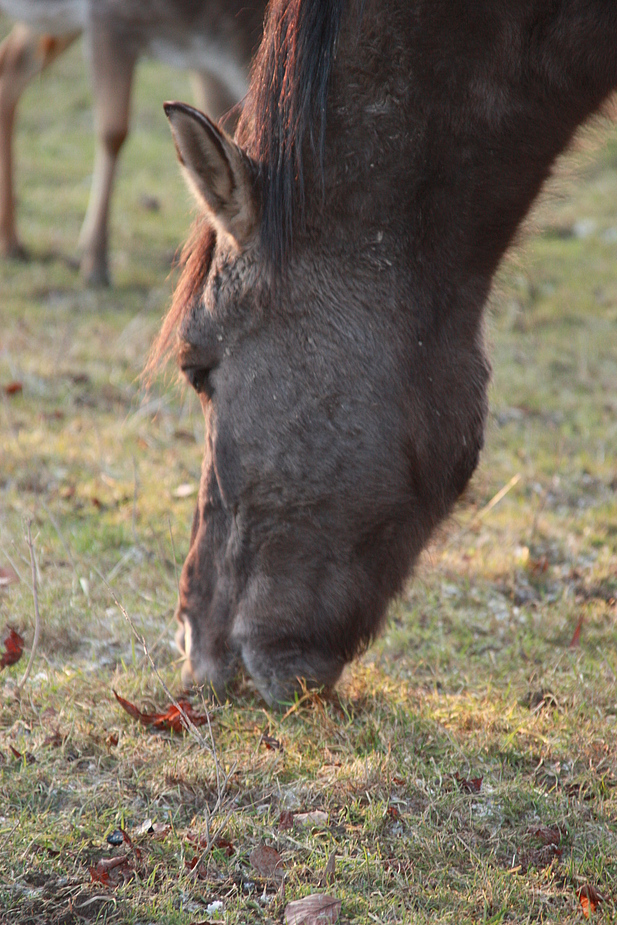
281, 677
198, 670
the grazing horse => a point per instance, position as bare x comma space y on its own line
330, 309
214, 38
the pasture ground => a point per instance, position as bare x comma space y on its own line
466, 768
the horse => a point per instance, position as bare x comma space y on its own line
330, 309
214, 38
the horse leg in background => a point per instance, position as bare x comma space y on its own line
112, 75
23, 55
214, 98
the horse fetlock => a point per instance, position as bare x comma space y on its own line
93, 269
112, 139
11, 247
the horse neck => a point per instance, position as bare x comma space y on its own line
444, 121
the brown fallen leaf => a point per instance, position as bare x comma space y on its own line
286, 820
54, 739
548, 835
13, 388
225, 846
29, 757
270, 742
201, 842
589, 898
191, 864
112, 871
469, 785
538, 566
174, 718
317, 909
539, 858
8, 576
267, 862
576, 636
13, 649
398, 866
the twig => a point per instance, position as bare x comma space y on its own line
37, 618
210, 839
186, 721
191, 728
481, 514
12, 563
159, 639
497, 498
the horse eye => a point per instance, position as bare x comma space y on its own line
199, 377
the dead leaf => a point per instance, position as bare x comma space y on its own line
13, 388
8, 576
548, 835
112, 740
539, 858
13, 649
192, 863
317, 909
28, 756
589, 899
146, 828
270, 742
201, 842
112, 871
267, 862
286, 820
576, 636
54, 740
538, 566
469, 785
314, 817
225, 846
174, 718
396, 865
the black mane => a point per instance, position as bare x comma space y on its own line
287, 102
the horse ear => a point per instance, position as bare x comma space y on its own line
217, 171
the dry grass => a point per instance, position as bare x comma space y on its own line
474, 678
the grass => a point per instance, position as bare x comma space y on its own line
474, 678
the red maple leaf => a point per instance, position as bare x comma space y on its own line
175, 717
13, 649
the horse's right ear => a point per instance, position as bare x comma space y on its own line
217, 171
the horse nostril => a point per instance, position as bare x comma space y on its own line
199, 377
